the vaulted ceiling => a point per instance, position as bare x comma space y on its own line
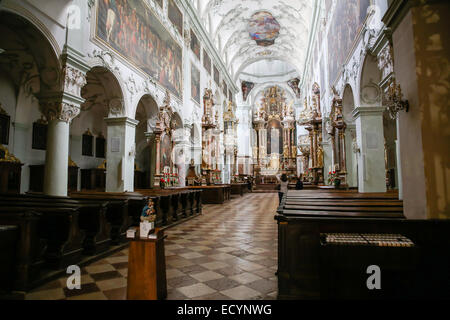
246, 31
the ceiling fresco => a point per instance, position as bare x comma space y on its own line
247, 31
263, 28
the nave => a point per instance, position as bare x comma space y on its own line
228, 252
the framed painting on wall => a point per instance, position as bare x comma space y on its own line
100, 147
195, 83
195, 44
87, 144
206, 61
216, 76
4, 128
346, 23
39, 136
175, 16
131, 29
224, 88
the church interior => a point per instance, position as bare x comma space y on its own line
224, 150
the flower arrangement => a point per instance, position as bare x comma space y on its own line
333, 178
162, 183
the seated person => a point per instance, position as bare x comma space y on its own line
299, 184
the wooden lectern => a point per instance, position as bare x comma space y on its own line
147, 268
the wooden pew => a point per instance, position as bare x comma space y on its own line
92, 218
174, 204
29, 249
135, 202
214, 194
9, 236
238, 188
302, 218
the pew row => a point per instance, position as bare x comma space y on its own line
308, 268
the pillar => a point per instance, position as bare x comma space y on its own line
120, 154
59, 110
370, 138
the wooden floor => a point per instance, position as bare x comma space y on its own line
229, 252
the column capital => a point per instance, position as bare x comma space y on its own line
60, 106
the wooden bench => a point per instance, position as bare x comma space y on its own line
92, 218
214, 194
304, 215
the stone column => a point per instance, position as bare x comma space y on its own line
120, 154
369, 130
60, 110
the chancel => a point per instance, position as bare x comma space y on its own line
202, 149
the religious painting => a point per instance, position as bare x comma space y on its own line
195, 45
100, 147
246, 88
166, 152
130, 28
224, 88
346, 23
39, 138
216, 76
293, 84
206, 61
175, 16
263, 28
195, 84
274, 137
4, 128
87, 145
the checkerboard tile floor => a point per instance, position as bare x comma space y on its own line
229, 252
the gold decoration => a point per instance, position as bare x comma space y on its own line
7, 156
72, 164
88, 133
103, 165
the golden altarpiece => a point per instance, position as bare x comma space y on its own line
210, 141
163, 133
275, 149
231, 122
312, 154
336, 130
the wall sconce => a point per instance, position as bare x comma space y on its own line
395, 102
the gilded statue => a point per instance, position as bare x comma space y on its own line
286, 151
320, 157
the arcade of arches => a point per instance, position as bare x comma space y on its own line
188, 105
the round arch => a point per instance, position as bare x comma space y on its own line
348, 103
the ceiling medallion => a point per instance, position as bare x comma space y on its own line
263, 28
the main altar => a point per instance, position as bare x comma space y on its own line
275, 148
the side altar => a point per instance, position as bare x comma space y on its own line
275, 148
